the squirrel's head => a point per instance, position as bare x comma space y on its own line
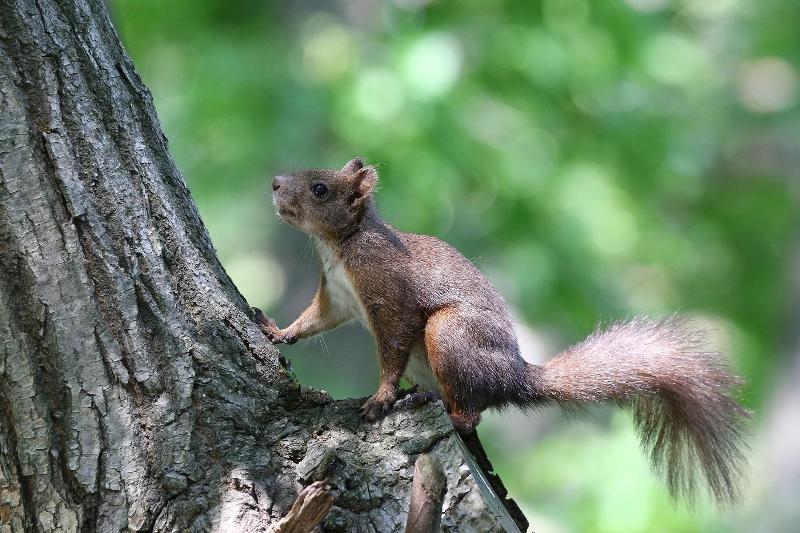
325, 203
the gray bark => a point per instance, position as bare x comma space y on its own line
135, 390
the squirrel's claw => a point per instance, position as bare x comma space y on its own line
379, 405
278, 336
376, 408
271, 330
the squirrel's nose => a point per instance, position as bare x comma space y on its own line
277, 181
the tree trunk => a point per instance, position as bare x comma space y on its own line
135, 390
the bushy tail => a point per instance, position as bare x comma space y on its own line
680, 395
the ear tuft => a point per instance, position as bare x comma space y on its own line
354, 165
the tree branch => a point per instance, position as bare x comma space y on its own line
310, 507
427, 493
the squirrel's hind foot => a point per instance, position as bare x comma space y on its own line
465, 421
414, 398
380, 405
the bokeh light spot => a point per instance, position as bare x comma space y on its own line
675, 59
432, 65
589, 197
379, 94
327, 51
767, 85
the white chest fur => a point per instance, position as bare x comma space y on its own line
347, 305
339, 286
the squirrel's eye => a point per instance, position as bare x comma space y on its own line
320, 190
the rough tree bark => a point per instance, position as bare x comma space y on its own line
135, 391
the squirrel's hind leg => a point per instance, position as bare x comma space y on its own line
465, 421
446, 341
476, 362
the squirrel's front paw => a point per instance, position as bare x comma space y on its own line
280, 337
271, 329
378, 406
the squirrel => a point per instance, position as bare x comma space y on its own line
439, 322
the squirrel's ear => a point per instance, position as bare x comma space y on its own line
354, 165
364, 182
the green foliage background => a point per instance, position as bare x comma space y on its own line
596, 159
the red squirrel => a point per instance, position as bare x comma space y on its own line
439, 322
